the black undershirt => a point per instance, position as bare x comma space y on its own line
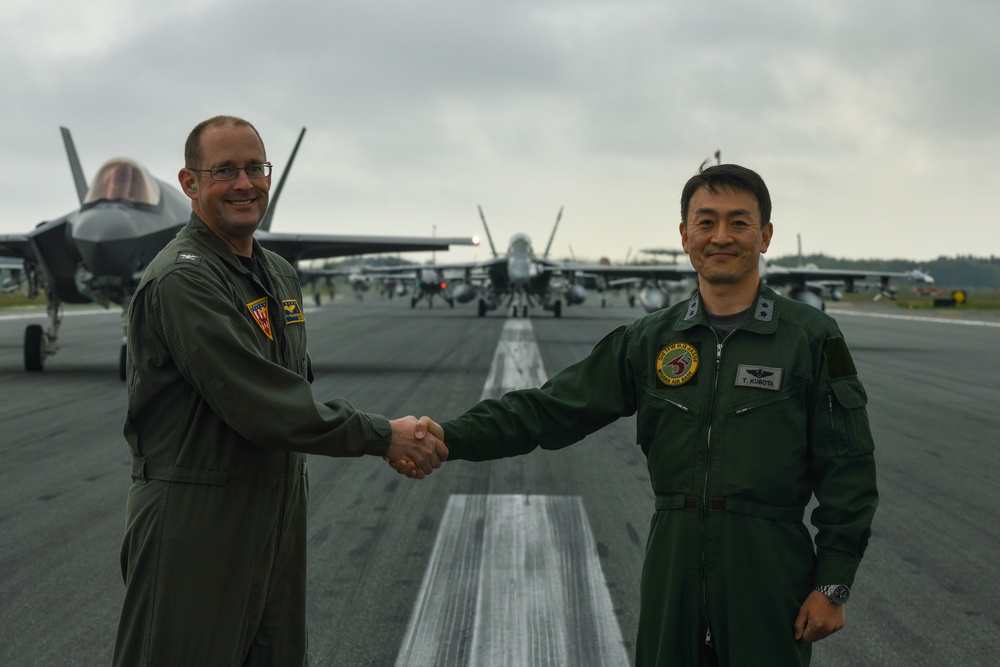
725, 324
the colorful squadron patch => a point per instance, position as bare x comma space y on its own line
676, 364
293, 313
258, 309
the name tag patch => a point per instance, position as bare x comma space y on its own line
761, 377
293, 312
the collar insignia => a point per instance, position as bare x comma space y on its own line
293, 313
761, 377
676, 364
258, 309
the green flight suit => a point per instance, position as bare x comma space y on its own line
220, 414
739, 431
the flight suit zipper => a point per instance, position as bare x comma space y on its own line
704, 491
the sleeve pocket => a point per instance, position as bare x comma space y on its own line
848, 416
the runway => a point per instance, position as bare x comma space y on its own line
925, 594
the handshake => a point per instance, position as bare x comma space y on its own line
417, 446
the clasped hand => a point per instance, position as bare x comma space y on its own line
417, 446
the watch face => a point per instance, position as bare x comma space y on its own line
840, 594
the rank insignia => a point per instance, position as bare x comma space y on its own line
676, 364
258, 309
293, 313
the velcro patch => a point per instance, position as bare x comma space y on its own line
188, 258
293, 313
258, 309
760, 377
838, 358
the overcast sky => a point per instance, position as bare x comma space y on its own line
876, 124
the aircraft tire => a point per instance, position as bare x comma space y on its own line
122, 356
33, 336
482, 308
557, 309
524, 313
413, 302
451, 303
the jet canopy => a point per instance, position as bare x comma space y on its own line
122, 179
520, 244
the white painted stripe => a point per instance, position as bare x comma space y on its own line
513, 580
517, 363
916, 318
42, 315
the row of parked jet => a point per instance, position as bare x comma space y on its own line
521, 280
98, 252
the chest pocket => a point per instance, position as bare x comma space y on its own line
668, 429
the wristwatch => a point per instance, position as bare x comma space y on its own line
837, 593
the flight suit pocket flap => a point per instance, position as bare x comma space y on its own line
849, 392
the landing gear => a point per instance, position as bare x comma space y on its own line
482, 308
39, 342
33, 337
557, 309
413, 302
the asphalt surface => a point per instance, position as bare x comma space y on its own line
925, 595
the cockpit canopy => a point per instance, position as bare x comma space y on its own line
520, 244
123, 179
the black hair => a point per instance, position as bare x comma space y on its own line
731, 176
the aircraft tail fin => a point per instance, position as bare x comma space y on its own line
487, 228
553, 235
265, 223
74, 165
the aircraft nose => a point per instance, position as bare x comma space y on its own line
107, 238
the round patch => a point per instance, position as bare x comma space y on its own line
676, 363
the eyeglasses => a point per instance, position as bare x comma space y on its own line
228, 173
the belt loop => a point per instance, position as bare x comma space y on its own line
139, 468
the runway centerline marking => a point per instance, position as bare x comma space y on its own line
513, 579
517, 362
916, 318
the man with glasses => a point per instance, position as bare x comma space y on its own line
220, 417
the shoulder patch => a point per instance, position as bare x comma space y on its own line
676, 364
293, 312
838, 358
258, 309
188, 258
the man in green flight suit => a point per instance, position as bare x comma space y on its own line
747, 404
220, 417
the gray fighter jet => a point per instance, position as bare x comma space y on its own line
97, 253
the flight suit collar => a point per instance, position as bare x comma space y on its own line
762, 317
211, 240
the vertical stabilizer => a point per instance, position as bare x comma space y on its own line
553, 235
74, 165
487, 228
265, 223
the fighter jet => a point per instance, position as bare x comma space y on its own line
518, 280
97, 253
805, 284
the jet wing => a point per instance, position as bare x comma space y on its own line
646, 271
782, 275
294, 247
17, 246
